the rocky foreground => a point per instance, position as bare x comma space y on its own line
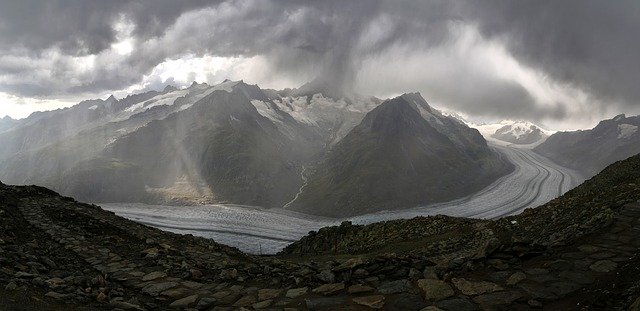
577, 252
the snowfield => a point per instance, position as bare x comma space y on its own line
535, 181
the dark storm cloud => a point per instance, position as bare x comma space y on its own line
592, 45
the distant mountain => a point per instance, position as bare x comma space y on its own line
7, 123
230, 142
404, 153
592, 150
515, 132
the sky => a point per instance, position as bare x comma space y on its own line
563, 64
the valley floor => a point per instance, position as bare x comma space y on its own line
535, 181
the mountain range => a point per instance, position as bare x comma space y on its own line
515, 132
590, 151
237, 143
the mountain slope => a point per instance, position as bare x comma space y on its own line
592, 150
402, 154
180, 146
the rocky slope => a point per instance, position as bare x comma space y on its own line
592, 150
579, 250
404, 153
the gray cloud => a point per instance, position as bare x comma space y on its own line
590, 45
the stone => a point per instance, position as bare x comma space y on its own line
431, 308
359, 288
537, 290
296, 292
602, 255
262, 304
21, 274
349, 264
534, 303
516, 278
192, 285
430, 273
406, 301
325, 303
561, 265
54, 282
205, 303
56, 295
458, 304
603, 266
583, 278
475, 287
266, 294
221, 294
124, 305
176, 293
154, 289
245, 301
564, 288
497, 298
394, 287
588, 248
375, 301
11, 286
329, 289
536, 271
184, 302
635, 306
435, 289
153, 275
101, 297
326, 276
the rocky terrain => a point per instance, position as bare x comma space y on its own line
577, 252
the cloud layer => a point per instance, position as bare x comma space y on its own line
565, 63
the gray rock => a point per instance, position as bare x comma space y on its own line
583, 278
326, 276
405, 301
56, 295
456, 305
435, 289
603, 266
184, 302
153, 275
205, 303
325, 302
475, 287
516, 278
155, 289
394, 287
564, 288
11, 286
374, 302
329, 289
498, 298
296, 292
